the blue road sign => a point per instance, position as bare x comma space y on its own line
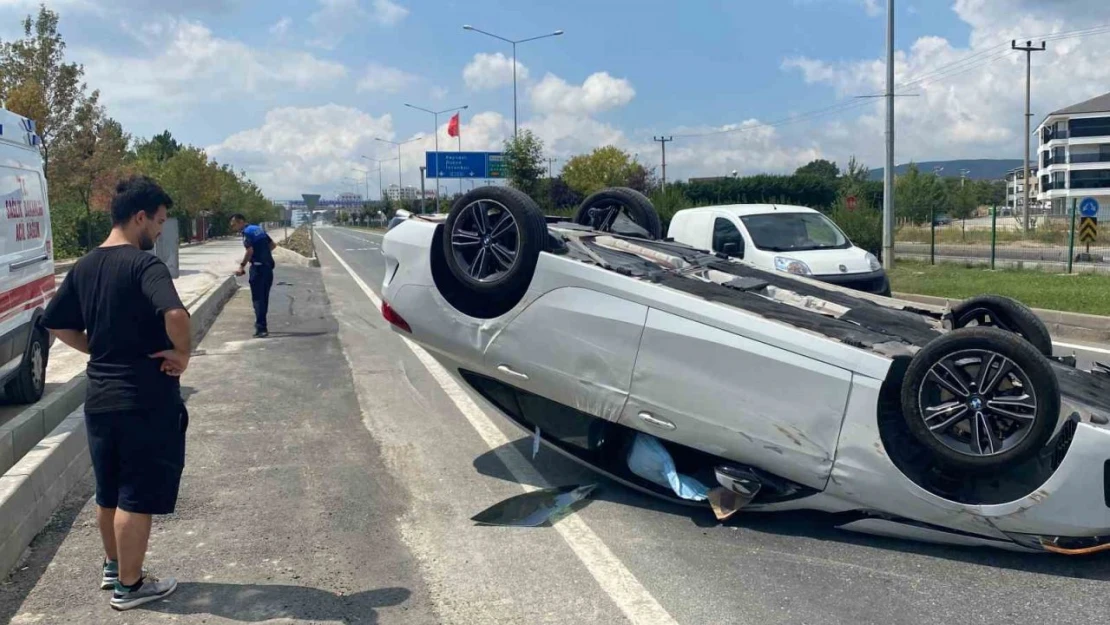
1088, 207
464, 165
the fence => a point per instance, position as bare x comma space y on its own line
999, 240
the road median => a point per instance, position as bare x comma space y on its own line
44, 451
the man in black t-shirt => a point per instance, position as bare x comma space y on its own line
260, 256
118, 304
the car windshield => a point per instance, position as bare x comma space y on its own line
782, 232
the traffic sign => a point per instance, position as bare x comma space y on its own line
1088, 229
1088, 207
464, 165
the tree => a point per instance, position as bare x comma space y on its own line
36, 83
964, 201
523, 158
158, 149
918, 197
821, 168
89, 160
607, 166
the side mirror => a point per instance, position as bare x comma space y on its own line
731, 249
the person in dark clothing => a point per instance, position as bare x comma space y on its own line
260, 257
118, 304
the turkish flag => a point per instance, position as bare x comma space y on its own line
453, 126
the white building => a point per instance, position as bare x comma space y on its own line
1015, 189
1074, 155
394, 193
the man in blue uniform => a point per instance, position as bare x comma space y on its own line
261, 259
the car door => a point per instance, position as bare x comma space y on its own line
738, 398
573, 346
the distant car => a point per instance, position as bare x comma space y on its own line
942, 220
901, 418
778, 237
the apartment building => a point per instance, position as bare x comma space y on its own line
1015, 189
1074, 155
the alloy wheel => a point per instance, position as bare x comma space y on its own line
978, 402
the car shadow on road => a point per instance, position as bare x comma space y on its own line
252, 603
559, 471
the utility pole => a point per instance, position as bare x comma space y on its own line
422, 194
1028, 49
550, 160
963, 176
663, 144
888, 171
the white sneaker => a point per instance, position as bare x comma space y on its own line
151, 590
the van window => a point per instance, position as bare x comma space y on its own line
782, 232
725, 232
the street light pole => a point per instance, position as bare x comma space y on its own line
513, 43
398, 144
888, 170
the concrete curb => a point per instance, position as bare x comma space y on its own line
1065, 325
287, 255
34, 485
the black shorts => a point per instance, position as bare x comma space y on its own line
138, 456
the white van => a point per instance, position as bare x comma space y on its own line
27, 280
776, 237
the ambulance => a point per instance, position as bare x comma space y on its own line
27, 279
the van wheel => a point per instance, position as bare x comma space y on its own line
620, 210
28, 385
1006, 314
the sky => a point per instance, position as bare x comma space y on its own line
296, 92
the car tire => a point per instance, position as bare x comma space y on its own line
596, 211
29, 383
1003, 313
492, 240
961, 414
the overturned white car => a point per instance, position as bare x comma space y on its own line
955, 426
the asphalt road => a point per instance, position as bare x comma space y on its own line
625, 557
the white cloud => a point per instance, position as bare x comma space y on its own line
380, 78
598, 93
438, 93
969, 100
872, 8
336, 19
489, 71
388, 13
281, 27
297, 150
180, 62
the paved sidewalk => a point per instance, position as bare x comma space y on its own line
201, 268
287, 513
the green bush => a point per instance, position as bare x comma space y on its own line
73, 232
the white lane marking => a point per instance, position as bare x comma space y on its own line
626, 592
1085, 348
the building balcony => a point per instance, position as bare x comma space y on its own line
1091, 157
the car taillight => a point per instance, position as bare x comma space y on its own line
393, 318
